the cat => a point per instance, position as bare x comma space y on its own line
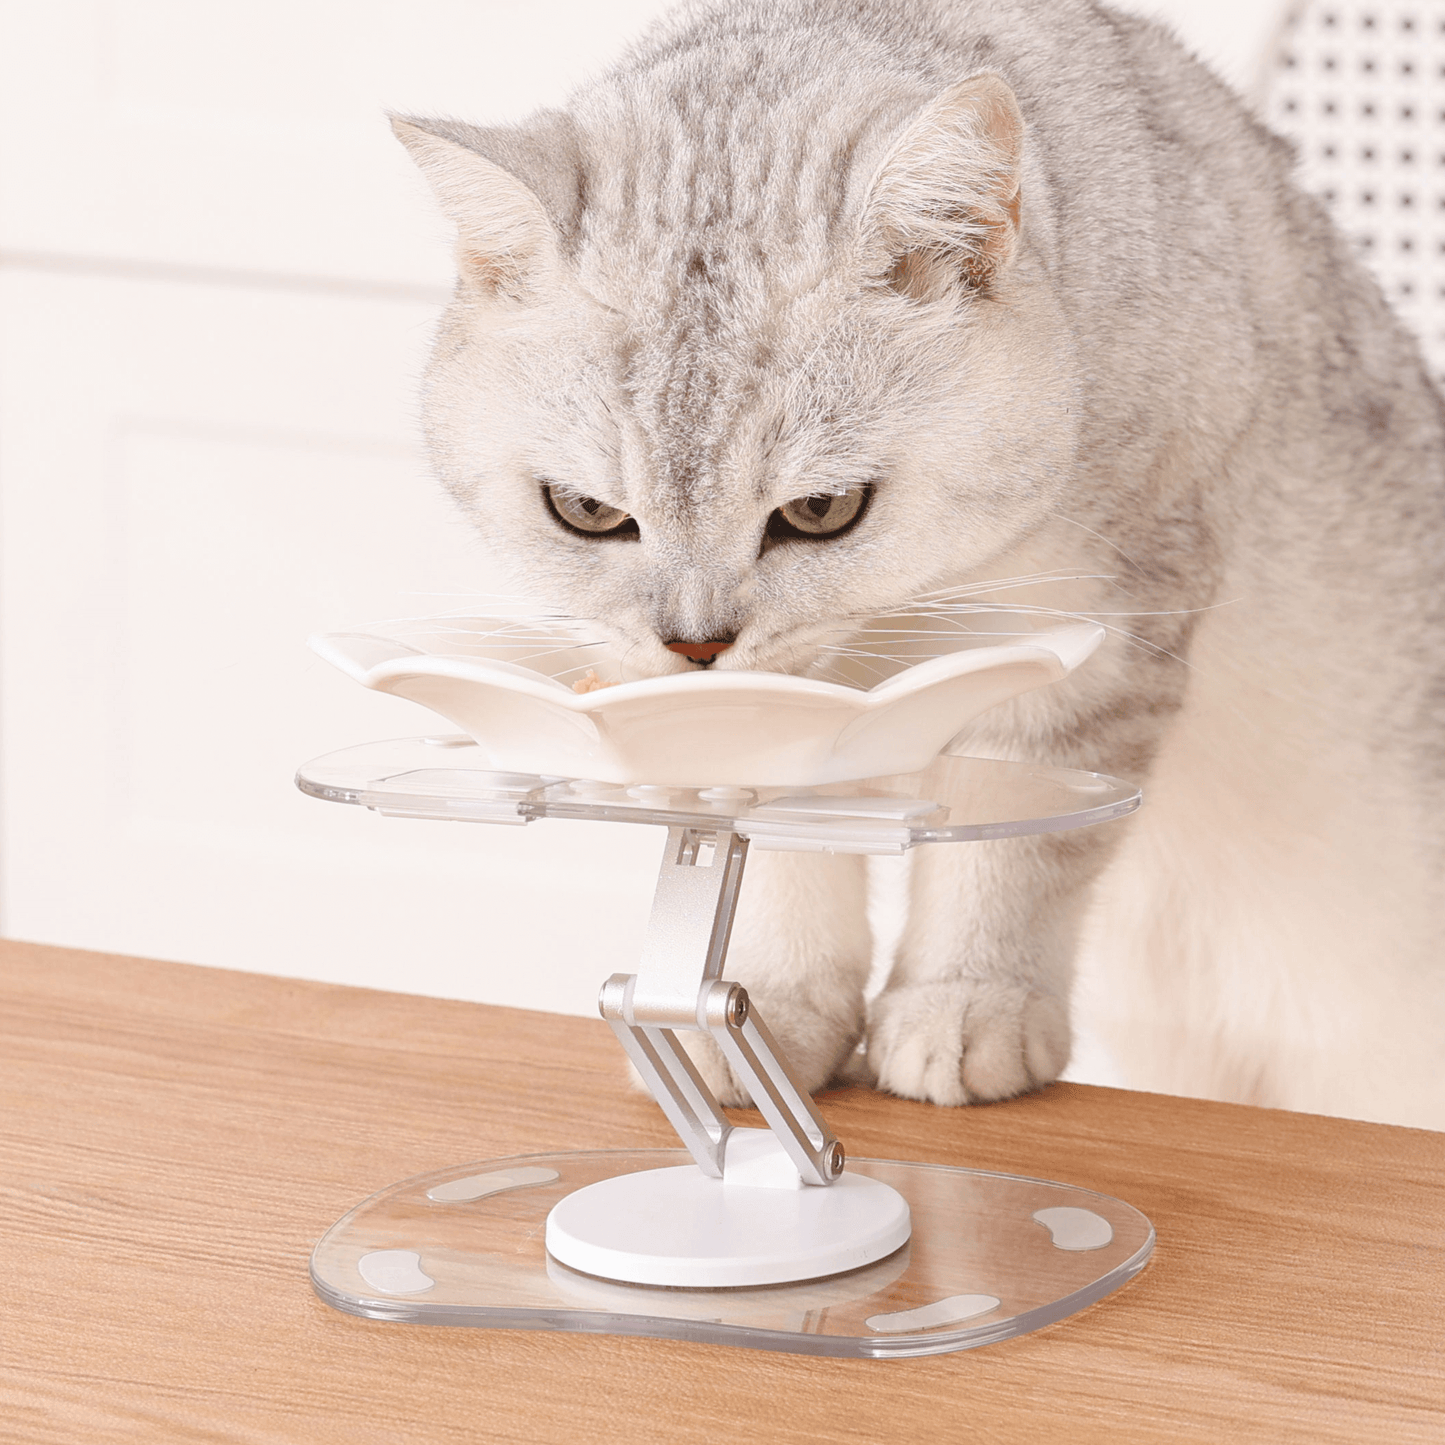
807, 308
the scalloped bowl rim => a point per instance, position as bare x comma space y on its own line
1086, 636
820, 721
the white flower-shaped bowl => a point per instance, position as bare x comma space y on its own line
507, 684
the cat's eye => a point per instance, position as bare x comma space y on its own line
586, 515
819, 516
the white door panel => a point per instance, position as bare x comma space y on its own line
251, 137
193, 478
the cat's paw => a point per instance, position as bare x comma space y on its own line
966, 1041
817, 1045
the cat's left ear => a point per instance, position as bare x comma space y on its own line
945, 202
508, 246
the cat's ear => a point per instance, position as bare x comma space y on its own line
944, 205
508, 247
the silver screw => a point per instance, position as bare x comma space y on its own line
738, 1006
836, 1159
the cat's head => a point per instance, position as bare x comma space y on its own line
731, 373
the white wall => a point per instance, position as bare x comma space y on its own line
217, 277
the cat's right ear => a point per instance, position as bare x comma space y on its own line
507, 247
944, 206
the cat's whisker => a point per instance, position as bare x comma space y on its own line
996, 581
1038, 608
1120, 632
951, 612
918, 632
1113, 546
878, 658
491, 605
518, 635
846, 649
1001, 584
537, 656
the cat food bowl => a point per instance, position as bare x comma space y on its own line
509, 684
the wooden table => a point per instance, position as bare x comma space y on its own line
175, 1139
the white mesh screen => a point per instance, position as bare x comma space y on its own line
1360, 89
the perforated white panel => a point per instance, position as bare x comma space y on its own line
1360, 88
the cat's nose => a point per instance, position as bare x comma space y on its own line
701, 651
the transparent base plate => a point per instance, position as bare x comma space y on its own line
992, 1256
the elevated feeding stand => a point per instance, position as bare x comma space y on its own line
762, 1237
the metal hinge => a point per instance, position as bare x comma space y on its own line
680, 988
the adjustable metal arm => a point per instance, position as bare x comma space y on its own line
680, 987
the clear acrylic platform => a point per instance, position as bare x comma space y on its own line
957, 800
772, 1239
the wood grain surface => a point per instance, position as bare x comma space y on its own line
175, 1139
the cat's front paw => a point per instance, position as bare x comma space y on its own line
966, 1041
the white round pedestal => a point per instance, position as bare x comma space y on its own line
677, 1227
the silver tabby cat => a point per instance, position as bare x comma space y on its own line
811, 307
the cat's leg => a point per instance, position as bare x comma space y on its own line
977, 1005
802, 948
